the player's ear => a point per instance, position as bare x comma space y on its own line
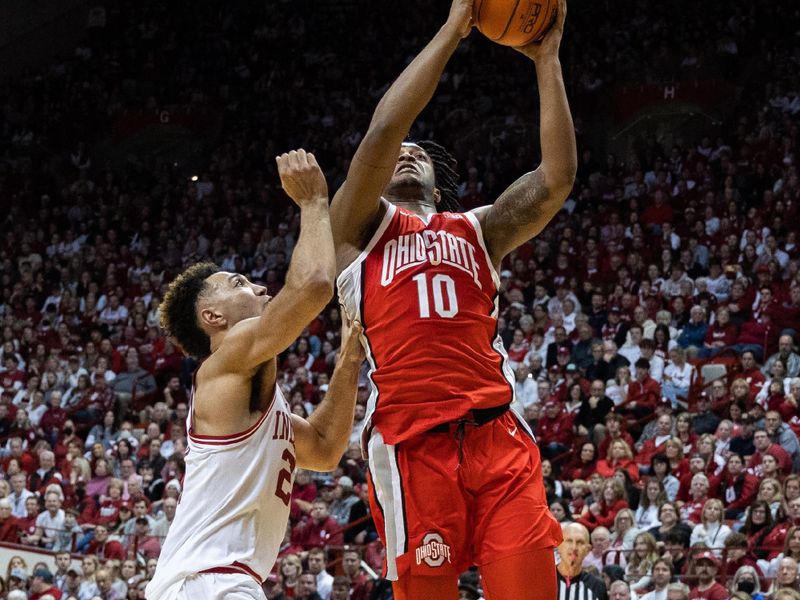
211, 317
437, 196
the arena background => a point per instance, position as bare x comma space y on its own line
138, 137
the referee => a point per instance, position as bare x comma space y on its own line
573, 582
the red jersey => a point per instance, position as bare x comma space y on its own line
425, 291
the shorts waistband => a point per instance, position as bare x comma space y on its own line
235, 568
476, 417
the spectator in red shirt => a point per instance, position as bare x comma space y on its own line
706, 567
25, 459
304, 492
9, 527
104, 548
644, 392
720, 335
736, 487
614, 431
27, 524
620, 456
764, 445
360, 584
53, 419
318, 529
42, 585
554, 430
657, 213
750, 372
602, 512
143, 542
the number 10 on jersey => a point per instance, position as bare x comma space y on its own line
441, 286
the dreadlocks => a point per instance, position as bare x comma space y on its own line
444, 168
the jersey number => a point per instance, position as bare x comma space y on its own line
441, 285
284, 477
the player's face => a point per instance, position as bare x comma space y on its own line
413, 174
235, 298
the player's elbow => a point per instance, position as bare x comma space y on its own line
315, 286
561, 181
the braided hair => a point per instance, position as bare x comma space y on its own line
444, 168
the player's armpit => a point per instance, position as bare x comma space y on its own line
520, 213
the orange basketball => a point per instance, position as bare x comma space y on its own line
514, 22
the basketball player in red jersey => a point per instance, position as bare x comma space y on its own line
455, 475
243, 441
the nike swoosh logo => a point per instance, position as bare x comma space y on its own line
512, 432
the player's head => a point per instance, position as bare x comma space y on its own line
425, 172
203, 300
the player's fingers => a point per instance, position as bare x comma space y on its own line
281, 162
293, 160
312, 161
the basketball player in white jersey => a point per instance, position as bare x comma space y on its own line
244, 443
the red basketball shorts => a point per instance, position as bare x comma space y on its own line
441, 503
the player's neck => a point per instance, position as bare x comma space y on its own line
417, 207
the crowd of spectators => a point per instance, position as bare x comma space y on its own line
662, 259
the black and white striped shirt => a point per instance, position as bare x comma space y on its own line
583, 587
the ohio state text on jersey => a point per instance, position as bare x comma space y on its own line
425, 291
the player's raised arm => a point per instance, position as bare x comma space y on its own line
309, 280
356, 207
525, 208
321, 440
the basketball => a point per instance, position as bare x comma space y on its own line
514, 22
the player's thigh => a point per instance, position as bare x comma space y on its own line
410, 587
422, 504
527, 576
510, 508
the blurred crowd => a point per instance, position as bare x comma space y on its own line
652, 327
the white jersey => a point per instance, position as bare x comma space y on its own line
232, 513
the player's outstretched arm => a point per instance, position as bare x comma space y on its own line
356, 207
309, 280
321, 440
525, 208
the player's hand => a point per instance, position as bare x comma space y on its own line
351, 348
301, 177
460, 17
549, 45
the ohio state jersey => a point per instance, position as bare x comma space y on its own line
425, 291
232, 513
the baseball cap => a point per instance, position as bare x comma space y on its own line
45, 574
328, 482
555, 369
707, 556
125, 506
550, 403
518, 305
345, 482
615, 310
571, 368
505, 273
74, 571
563, 350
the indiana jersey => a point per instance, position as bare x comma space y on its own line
232, 513
425, 291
